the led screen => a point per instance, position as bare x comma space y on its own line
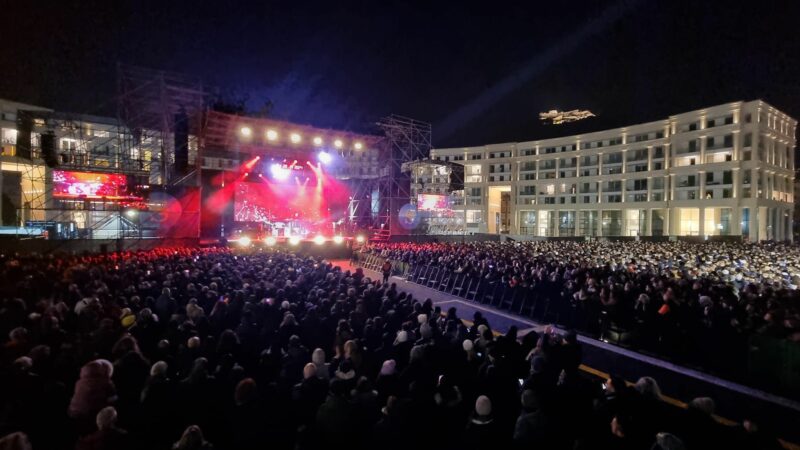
68, 184
269, 201
432, 202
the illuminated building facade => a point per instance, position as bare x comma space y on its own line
724, 170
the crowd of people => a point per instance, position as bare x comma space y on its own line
212, 348
669, 296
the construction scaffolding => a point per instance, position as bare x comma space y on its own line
406, 140
162, 106
79, 144
152, 142
442, 182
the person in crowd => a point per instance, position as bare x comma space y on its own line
192, 439
108, 436
93, 391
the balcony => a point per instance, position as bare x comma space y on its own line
685, 151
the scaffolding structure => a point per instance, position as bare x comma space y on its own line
406, 140
78, 143
139, 143
152, 103
438, 178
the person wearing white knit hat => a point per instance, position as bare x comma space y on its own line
481, 429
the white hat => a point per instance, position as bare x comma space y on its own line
483, 406
402, 336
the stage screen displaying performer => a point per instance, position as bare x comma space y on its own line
69, 184
432, 202
310, 204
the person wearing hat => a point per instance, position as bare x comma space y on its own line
108, 436
533, 427
308, 394
481, 429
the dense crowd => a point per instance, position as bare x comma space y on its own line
717, 293
200, 349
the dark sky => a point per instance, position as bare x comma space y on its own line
479, 72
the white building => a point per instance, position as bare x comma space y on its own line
81, 143
723, 170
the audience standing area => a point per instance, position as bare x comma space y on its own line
247, 348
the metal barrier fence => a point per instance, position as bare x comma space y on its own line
491, 292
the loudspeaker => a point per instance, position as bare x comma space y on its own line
181, 142
48, 141
24, 130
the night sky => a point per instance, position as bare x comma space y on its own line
480, 72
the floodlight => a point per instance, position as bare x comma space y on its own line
358, 145
338, 239
244, 241
319, 240
294, 240
324, 157
272, 135
270, 241
317, 140
295, 138
246, 131
279, 172
360, 239
338, 143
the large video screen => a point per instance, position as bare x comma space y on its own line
432, 202
69, 184
268, 201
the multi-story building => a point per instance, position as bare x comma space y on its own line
80, 143
723, 170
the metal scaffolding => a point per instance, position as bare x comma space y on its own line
139, 143
406, 140
153, 104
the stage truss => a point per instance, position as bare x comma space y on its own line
407, 139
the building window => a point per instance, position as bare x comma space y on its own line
727, 177
728, 140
